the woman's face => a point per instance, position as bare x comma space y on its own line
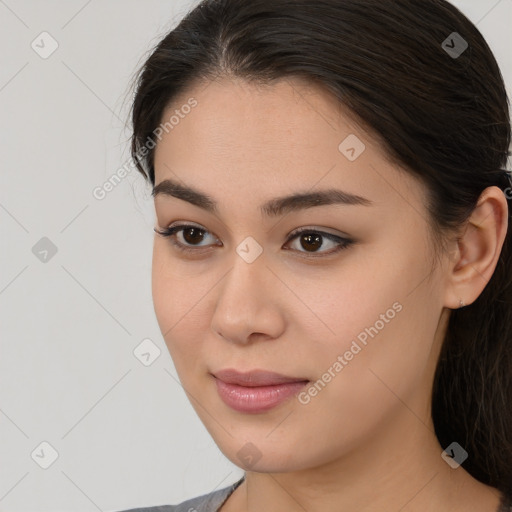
361, 323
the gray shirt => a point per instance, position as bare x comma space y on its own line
205, 503
213, 501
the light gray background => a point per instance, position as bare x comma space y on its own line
124, 432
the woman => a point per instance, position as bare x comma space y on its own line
332, 265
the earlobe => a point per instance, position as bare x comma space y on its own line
478, 249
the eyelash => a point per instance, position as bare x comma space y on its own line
344, 243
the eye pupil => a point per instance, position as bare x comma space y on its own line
194, 231
316, 240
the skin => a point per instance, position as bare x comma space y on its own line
366, 442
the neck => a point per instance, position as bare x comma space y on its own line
398, 469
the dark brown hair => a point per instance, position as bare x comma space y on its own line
443, 117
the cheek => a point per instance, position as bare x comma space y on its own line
170, 297
377, 324
173, 287
179, 299
340, 305
161, 289
373, 380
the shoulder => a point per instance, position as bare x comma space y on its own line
205, 503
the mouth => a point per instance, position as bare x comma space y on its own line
256, 391
255, 378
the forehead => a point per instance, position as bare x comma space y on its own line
274, 106
281, 137
254, 122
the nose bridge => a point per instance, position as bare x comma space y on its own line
249, 273
244, 302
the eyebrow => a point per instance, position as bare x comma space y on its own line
272, 208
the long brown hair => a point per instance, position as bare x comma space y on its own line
442, 115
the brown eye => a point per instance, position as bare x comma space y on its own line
193, 235
311, 241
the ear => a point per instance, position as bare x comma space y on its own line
478, 249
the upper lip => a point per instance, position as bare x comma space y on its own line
254, 378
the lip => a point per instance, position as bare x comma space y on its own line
256, 391
255, 378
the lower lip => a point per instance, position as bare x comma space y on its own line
256, 399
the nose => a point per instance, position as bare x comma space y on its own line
249, 303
